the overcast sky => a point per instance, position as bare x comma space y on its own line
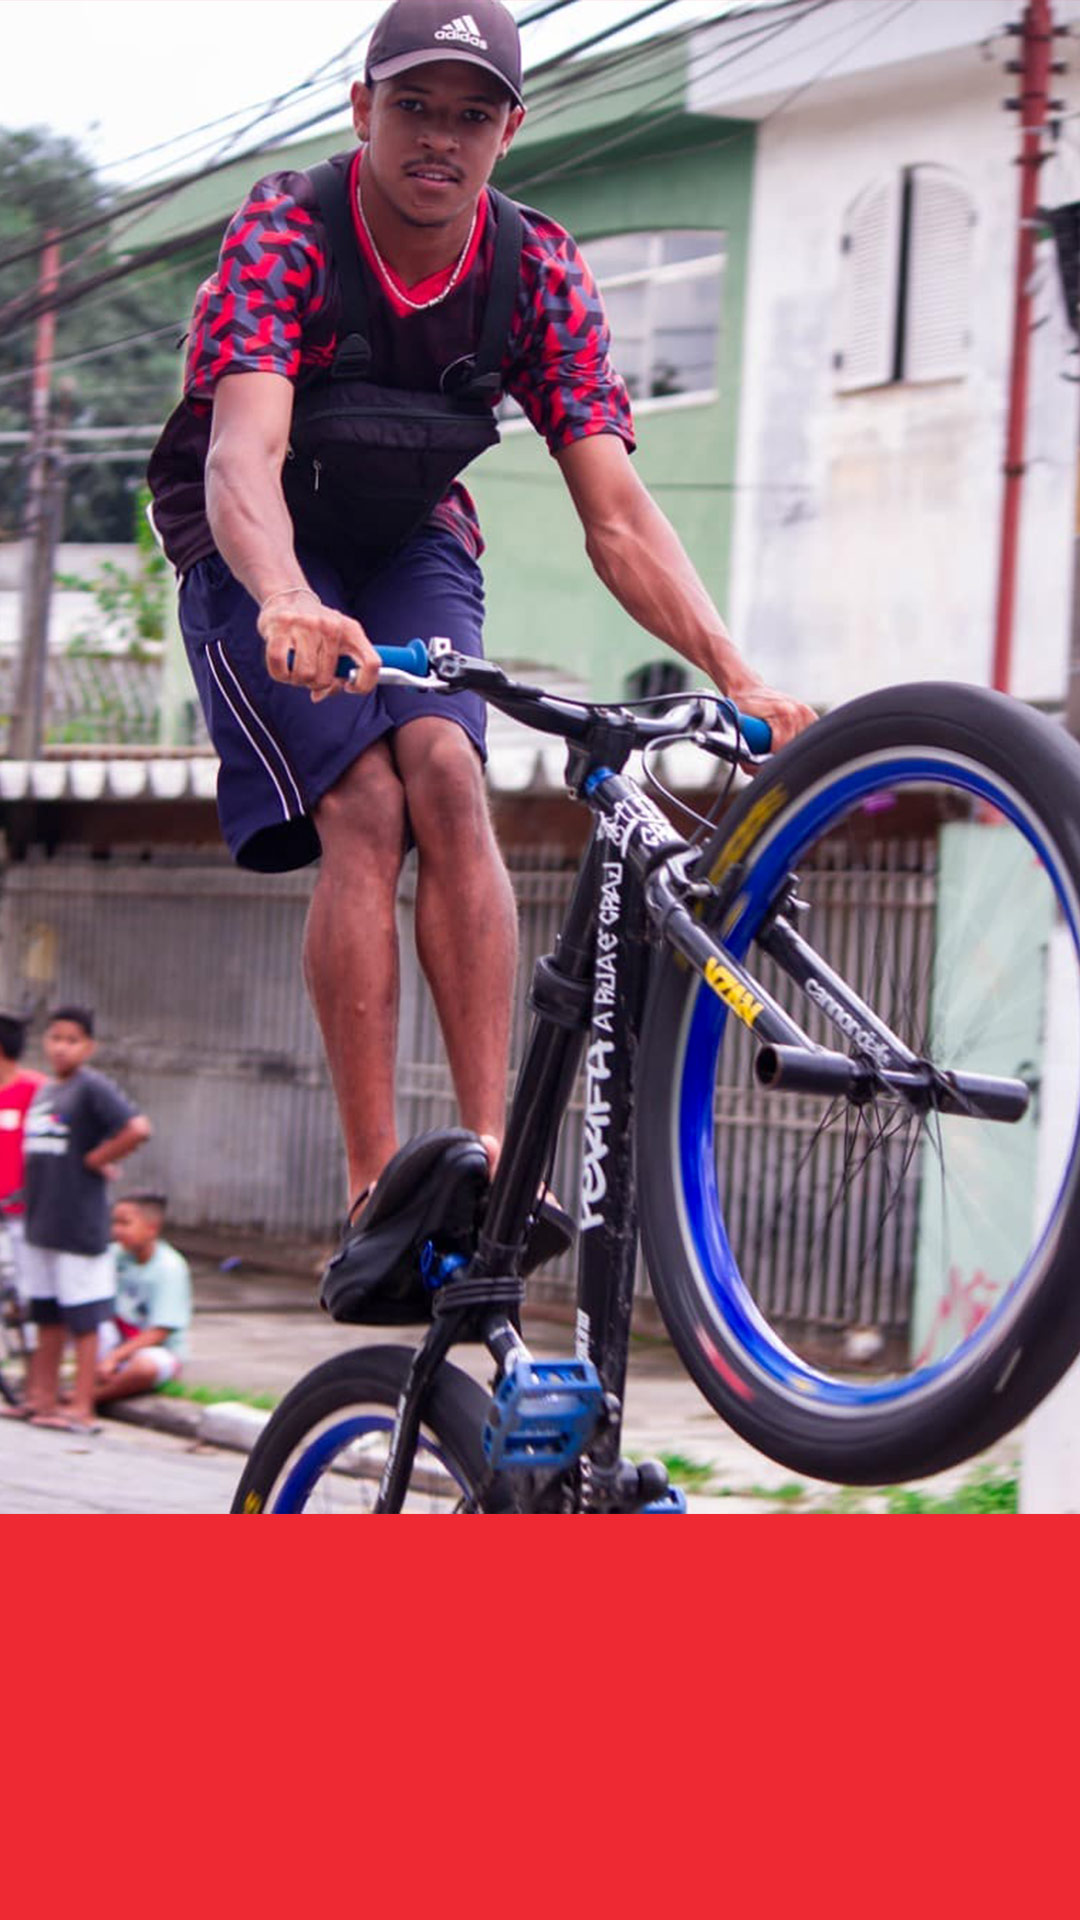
121, 76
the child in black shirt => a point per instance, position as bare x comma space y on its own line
78, 1126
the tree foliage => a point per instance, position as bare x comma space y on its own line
46, 181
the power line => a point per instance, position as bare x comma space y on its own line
605, 33
166, 190
850, 47
15, 317
153, 196
746, 130
91, 353
680, 486
583, 81
591, 150
26, 309
252, 116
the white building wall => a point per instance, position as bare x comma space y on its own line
868, 524
73, 613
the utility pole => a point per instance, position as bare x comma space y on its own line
1036, 31
39, 528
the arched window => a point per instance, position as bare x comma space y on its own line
906, 282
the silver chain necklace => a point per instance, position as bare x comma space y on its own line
417, 306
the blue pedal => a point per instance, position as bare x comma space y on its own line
673, 1501
543, 1415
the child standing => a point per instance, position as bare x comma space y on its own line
18, 1085
78, 1126
144, 1345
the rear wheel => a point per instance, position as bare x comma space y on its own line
324, 1448
866, 1292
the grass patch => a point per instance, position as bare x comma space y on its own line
985, 1492
790, 1494
210, 1396
684, 1472
991, 1490
845, 1500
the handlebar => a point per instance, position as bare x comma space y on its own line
412, 658
549, 713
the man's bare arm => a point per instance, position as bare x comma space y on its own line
641, 560
253, 533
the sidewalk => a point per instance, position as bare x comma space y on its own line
255, 1332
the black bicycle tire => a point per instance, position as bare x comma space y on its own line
1007, 1382
454, 1414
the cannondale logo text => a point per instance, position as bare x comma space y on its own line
463, 28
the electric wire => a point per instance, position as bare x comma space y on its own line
26, 308
189, 240
163, 191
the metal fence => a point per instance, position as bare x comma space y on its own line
193, 968
91, 699
816, 1267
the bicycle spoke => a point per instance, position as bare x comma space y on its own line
850, 1223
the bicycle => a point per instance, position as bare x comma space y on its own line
887, 1285
15, 1345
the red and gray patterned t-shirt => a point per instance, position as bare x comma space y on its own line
274, 306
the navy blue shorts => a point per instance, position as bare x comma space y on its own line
280, 751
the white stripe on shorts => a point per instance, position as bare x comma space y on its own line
220, 663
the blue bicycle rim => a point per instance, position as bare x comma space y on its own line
702, 1034
317, 1456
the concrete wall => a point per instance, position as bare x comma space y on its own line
71, 612
544, 600
868, 524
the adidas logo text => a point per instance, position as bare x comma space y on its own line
464, 27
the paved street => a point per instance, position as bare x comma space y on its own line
256, 1332
123, 1469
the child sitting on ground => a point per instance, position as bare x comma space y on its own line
78, 1126
144, 1345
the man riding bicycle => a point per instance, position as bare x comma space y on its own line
347, 325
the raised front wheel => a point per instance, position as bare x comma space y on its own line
874, 1288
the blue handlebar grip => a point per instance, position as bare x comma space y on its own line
409, 659
412, 658
756, 733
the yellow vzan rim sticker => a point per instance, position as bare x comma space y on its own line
759, 816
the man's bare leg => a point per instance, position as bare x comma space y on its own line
466, 919
351, 954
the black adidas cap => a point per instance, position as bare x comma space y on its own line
412, 32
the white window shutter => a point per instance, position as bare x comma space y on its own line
937, 314
870, 267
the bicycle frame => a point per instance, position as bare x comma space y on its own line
588, 996
635, 889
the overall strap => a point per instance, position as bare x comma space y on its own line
502, 293
353, 357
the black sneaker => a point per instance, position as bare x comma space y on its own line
433, 1188
434, 1185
